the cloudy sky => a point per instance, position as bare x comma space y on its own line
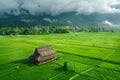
56, 7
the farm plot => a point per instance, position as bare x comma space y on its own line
90, 56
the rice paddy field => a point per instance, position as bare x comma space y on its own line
90, 56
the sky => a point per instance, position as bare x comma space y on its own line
56, 7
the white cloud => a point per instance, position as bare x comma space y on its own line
49, 20
27, 20
68, 21
106, 22
55, 7
8, 6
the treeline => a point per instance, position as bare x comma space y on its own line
53, 29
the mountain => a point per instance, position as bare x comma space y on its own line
68, 19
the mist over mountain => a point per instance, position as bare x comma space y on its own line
68, 19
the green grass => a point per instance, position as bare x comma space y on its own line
90, 56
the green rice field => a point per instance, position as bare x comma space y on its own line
90, 56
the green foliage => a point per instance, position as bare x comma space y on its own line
65, 66
53, 29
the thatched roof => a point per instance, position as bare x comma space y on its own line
44, 51
43, 55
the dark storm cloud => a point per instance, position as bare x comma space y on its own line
55, 7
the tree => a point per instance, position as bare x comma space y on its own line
65, 66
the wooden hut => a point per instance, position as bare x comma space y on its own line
43, 55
